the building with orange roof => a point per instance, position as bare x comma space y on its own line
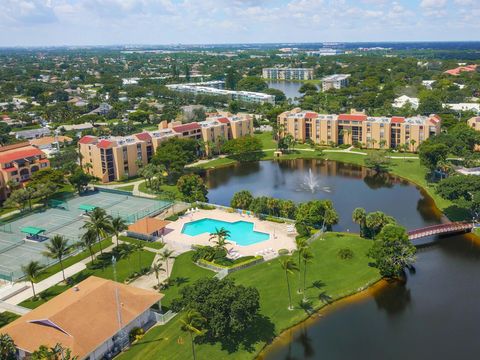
458, 70
17, 164
358, 128
93, 319
148, 228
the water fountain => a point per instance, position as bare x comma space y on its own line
312, 184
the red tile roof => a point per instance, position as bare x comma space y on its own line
311, 115
398, 120
352, 117
13, 155
460, 69
224, 120
186, 127
104, 144
143, 136
87, 139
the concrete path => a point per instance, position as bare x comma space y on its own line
135, 191
48, 282
19, 310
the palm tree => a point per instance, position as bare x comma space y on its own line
412, 143
359, 216
58, 249
165, 255
307, 257
7, 347
301, 244
88, 239
118, 225
138, 248
192, 323
157, 269
382, 143
219, 238
289, 266
100, 223
31, 271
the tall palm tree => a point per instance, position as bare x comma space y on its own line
100, 223
359, 216
219, 238
157, 268
31, 271
7, 347
58, 249
192, 323
138, 248
301, 244
88, 239
289, 266
118, 225
165, 255
307, 257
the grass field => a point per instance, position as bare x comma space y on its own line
126, 188
52, 270
149, 244
125, 267
328, 278
7, 317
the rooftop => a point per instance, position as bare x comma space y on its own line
81, 318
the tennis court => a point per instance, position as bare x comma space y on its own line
67, 220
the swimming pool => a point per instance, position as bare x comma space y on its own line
241, 232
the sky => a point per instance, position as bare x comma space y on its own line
114, 22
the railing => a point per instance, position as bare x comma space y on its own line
440, 229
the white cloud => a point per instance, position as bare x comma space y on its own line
433, 3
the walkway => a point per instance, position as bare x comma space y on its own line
135, 191
48, 282
19, 310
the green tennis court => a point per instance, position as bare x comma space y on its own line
19, 239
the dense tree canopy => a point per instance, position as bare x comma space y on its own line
230, 309
392, 251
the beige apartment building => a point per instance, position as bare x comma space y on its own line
114, 158
17, 164
370, 132
474, 122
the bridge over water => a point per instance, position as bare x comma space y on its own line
441, 229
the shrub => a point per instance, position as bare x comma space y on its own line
345, 254
302, 229
282, 252
136, 334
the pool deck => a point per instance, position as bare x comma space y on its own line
279, 237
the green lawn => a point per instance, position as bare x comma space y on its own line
184, 272
217, 163
126, 188
328, 278
168, 188
149, 244
125, 267
7, 317
52, 270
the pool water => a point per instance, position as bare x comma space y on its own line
241, 232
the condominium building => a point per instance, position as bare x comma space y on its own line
336, 81
244, 96
17, 164
371, 132
287, 73
117, 157
474, 123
